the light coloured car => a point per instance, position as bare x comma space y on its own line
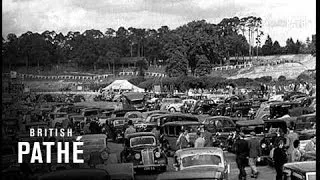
171, 104
208, 161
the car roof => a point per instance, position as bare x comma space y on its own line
305, 166
182, 123
93, 136
76, 174
177, 114
187, 151
186, 175
137, 134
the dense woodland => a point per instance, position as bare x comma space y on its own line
197, 45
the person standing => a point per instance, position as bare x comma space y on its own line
131, 129
291, 137
280, 158
296, 153
254, 154
156, 132
207, 137
199, 142
182, 141
242, 152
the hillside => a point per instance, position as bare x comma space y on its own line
292, 67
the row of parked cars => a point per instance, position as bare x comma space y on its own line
143, 150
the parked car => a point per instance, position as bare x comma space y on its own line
115, 128
171, 132
90, 113
134, 101
280, 109
171, 104
300, 170
271, 129
143, 150
77, 122
95, 149
198, 163
149, 113
221, 127
59, 119
203, 106
135, 116
10, 126
305, 126
76, 174
175, 117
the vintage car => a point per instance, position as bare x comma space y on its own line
9, 155
221, 127
280, 109
175, 117
305, 101
73, 174
171, 104
115, 128
10, 126
271, 129
249, 126
240, 109
148, 113
95, 150
153, 104
90, 113
305, 126
305, 170
203, 106
134, 101
220, 110
135, 116
143, 150
148, 124
77, 122
209, 161
232, 99
171, 132
59, 119
287, 96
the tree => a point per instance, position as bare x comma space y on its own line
177, 65
203, 66
142, 65
282, 78
267, 48
290, 46
276, 48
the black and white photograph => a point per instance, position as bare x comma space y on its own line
158, 90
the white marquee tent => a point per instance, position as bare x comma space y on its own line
124, 85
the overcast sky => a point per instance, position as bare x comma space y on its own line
281, 18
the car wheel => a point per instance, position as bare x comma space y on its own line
172, 109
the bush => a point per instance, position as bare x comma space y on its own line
264, 79
282, 78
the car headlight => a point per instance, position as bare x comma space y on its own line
157, 154
263, 145
137, 156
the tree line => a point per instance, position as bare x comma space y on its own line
196, 46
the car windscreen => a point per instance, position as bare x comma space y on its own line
142, 140
201, 159
118, 122
94, 142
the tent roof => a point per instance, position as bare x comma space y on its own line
123, 85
